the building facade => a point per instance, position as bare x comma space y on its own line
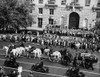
69, 13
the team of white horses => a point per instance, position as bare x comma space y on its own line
36, 52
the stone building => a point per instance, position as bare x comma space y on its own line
70, 13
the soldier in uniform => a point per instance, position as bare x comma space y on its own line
75, 61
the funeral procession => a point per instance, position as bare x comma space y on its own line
49, 38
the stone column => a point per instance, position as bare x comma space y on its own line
67, 24
85, 23
61, 20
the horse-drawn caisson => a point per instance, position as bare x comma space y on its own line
89, 56
87, 60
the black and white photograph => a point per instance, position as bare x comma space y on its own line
49, 38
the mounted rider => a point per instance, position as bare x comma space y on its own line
40, 65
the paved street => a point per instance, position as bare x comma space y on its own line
54, 68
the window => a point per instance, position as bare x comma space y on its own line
63, 2
98, 14
87, 2
51, 11
40, 21
51, 1
98, 4
40, 1
51, 21
40, 10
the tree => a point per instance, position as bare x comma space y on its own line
13, 15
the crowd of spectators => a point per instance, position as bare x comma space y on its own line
58, 37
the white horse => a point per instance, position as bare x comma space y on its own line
14, 52
37, 53
46, 51
18, 52
56, 56
22, 49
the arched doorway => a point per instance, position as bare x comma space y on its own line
74, 20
